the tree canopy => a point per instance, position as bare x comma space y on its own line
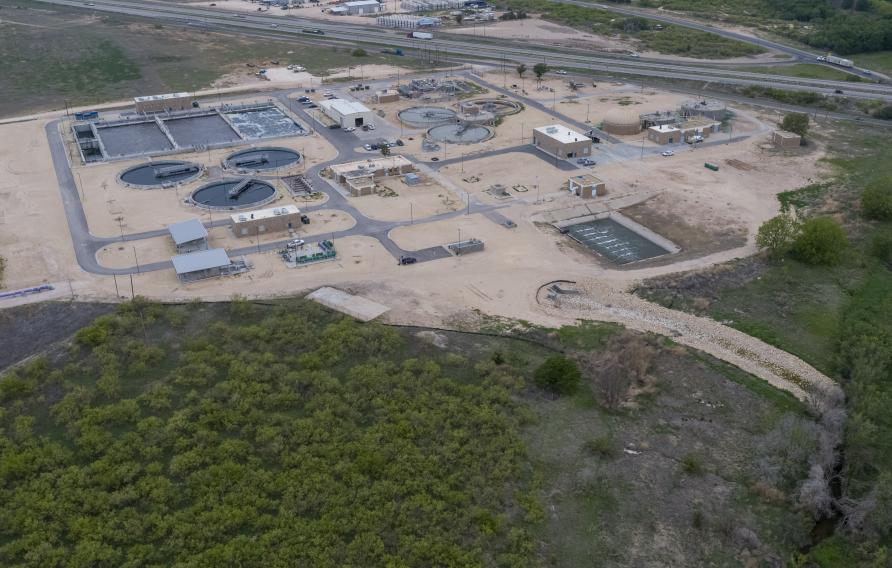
279, 437
821, 241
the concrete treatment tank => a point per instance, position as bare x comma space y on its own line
426, 116
460, 133
261, 159
622, 121
233, 194
161, 173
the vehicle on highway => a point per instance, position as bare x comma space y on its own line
838, 91
367, 147
404, 260
350, 129
634, 55
561, 72
420, 35
667, 153
274, 25
316, 31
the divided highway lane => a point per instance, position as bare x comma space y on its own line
449, 46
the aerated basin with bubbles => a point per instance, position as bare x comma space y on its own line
220, 194
161, 173
460, 133
260, 159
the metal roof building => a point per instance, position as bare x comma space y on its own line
189, 235
347, 113
200, 265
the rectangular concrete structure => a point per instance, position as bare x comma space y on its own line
272, 220
347, 113
163, 103
356, 307
561, 141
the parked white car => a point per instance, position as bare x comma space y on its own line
667, 153
350, 129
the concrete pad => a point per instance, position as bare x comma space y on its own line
357, 307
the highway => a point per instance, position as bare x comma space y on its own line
446, 47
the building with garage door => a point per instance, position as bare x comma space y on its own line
347, 113
562, 142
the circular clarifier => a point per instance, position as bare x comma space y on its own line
161, 173
261, 159
233, 194
426, 116
460, 133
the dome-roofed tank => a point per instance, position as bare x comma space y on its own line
622, 121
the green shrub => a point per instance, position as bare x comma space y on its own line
558, 375
602, 446
881, 245
359, 52
776, 235
876, 200
796, 122
692, 464
821, 241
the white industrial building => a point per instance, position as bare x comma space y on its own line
431, 5
347, 113
358, 8
406, 22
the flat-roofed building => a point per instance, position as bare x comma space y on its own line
664, 134
262, 221
699, 127
786, 140
188, 236
387, 96
347, 113
202, 264
359, 177
586, 186
163, 103
361, 7
561, 141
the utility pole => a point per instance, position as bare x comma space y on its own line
137, 260
117, 292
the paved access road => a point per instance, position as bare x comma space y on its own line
447, 46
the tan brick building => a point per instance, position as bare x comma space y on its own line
562, 142
786, 140
262, 221
586, 186
360, 177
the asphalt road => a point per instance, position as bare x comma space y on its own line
447, 46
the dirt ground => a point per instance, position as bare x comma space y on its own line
400, 202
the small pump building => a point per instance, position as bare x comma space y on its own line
262, 221
562, 142
786, 140
188, 236
586, 186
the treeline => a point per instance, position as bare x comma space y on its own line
280, 436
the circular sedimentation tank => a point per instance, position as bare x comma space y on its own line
161, 173
233, 194
497, 107
261, 159
460, 133
426, 116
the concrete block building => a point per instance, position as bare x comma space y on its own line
188, 236
562, 142
360, 177
163, 103
362, 7
347, 113
262, 221
786, 140
586, 186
